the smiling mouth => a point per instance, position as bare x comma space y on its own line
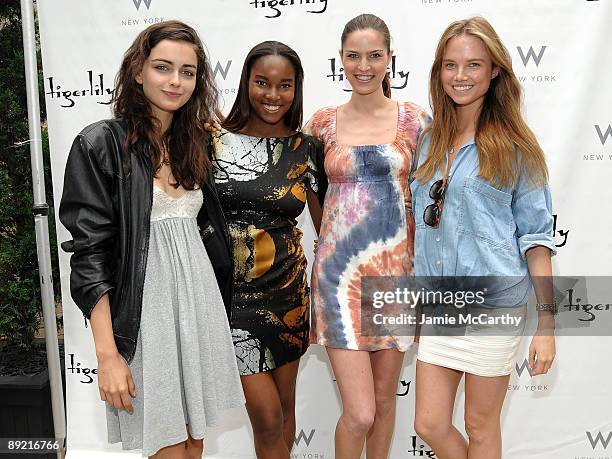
271, 108
465, 87
172, 94
364, 78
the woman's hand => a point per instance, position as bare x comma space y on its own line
114, 377
214, 124
115, 382
541, 353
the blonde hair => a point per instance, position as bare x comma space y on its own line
506, 145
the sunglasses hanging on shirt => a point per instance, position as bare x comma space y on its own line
433, 212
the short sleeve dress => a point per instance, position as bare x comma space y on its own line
262, 185
367, 227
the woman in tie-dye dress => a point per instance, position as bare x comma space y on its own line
367, 227
367, 230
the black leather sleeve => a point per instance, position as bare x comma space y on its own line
87, 211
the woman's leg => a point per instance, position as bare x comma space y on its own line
484, 398
265, 411
285, 378
353, 372
177, 451
436, 389
386, 369
194, 448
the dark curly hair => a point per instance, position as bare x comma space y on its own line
185, 139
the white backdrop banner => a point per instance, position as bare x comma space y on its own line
561, 53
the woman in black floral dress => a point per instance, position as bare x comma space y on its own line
265, 172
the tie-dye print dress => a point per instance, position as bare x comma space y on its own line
367, 227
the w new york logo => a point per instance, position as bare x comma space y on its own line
137, 3
598, 438
521, 368
303, 437
603, 136
531, 55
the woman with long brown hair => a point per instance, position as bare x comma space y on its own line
482, 208
367, 230
136, 189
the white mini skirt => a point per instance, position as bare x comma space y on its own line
477, 351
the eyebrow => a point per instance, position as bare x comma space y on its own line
469, 60
172, 63
263, 77
357, 52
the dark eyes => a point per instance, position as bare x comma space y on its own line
356, 56
165, 68
263, 83
472, 65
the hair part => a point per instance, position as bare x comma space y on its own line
186, 140
506, 145
370, 21
240, 112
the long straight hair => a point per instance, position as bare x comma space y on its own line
240, 113
185, 139
506, 145
370, 21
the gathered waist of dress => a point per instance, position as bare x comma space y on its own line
361, 179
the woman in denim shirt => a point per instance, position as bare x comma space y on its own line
482, 208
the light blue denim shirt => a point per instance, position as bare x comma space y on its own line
484, 230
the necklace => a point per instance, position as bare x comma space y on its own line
165, 157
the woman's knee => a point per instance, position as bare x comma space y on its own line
429, 428
480, 427
385, 404
359, 420
267, 423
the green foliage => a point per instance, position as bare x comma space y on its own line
20, 304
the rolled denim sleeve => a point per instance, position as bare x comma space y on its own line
532, 210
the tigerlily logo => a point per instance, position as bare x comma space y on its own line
137, 3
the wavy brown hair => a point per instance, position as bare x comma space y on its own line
186, 140
506, 145
238, 116
370, 21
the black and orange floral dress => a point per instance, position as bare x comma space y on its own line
262, 185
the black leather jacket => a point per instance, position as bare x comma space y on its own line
106, 206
